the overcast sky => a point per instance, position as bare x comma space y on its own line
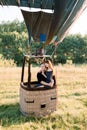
12, 13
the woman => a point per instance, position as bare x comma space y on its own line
50, 72
42, 78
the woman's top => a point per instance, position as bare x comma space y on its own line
49, 76
41, 77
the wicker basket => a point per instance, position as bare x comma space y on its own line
38, 103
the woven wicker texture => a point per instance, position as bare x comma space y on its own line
38, 103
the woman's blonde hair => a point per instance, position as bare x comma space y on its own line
50, 65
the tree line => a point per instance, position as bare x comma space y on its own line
14, 39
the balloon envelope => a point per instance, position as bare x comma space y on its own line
46, 19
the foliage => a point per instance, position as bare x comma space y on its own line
6, 63
12, 26
73, 48
14, 39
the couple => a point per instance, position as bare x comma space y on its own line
45, 75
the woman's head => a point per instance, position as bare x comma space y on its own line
43, 68
48, 64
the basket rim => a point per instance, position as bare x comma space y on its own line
24, 85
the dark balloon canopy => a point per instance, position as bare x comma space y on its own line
48, 19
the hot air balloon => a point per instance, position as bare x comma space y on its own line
47, 21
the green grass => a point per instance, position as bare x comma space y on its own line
71, 111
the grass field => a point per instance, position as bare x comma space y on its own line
71, 112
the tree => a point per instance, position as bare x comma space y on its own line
14, 39
72, 48
13, 43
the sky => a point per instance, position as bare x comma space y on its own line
10, 13
13, 13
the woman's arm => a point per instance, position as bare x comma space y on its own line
47, 84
